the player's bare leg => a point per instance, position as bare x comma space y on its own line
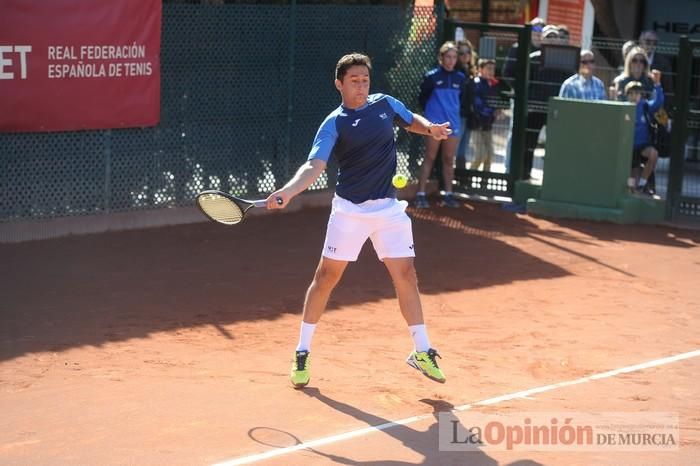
403, 274
423, 358
327, 276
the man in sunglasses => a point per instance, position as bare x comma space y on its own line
583, 85
648, 40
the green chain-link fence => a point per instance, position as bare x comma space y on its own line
244, 88
684, 173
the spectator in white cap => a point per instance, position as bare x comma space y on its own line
535, 43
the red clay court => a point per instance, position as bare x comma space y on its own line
168, 346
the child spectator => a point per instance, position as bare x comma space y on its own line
644, 150
637, 69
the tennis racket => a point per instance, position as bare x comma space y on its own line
224, 208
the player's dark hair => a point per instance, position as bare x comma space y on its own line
351, 59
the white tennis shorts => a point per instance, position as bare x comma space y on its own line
384, 221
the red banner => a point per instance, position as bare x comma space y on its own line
79, 64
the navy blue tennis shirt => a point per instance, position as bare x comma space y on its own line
362, 142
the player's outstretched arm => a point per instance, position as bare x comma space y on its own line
420, 125
304, 177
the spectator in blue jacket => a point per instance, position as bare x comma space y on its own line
644, 151
440, 94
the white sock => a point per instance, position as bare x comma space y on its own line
420, 337
305, 335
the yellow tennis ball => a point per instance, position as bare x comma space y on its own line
399, 181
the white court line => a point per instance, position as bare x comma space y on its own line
489, 401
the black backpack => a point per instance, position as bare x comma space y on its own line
660, 138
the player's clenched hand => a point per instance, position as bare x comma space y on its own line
273, 200
441, 131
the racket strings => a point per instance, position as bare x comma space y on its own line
220, 208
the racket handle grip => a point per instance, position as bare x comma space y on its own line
263, 202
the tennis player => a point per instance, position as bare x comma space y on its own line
360, 135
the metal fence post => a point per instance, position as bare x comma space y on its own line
290, 89
449, 28
522, 74
440, 18
485, 6
441, 36
680, 125
107, 188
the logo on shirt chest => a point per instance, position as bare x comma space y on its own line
383, 116
356, 122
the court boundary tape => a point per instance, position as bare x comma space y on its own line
489, 401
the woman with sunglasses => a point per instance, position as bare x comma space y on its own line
636, 69
466, 61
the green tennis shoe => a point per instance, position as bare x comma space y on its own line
425, 362
301, 365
